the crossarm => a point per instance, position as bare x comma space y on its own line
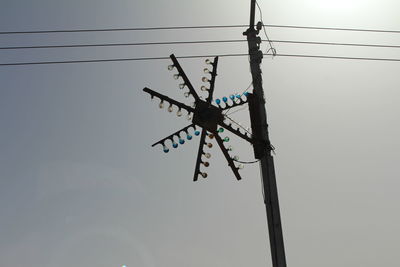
184, 77
199, 155
169, 100
236, 132
177, 134
228, 157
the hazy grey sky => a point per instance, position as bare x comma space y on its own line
81, 186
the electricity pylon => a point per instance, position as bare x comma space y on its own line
209, 115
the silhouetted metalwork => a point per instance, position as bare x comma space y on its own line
205, 115
213, 121
262, 145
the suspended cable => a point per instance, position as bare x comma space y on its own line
189, 57
246, 162
125, 29
233, 112
196, 27
193, 42
271, 45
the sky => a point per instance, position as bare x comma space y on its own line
80, 184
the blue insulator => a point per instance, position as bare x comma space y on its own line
174, 145
238, 96
225, 99
189, 137
196, 133
181, 141
232, 97
246, 93
165, 149
218, 101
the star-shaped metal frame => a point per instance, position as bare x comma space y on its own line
205, 115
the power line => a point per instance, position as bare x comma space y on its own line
192, 57
125, 29
122, 44
196, 27
193, 42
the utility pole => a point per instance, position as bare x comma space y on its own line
262, 145
210, 115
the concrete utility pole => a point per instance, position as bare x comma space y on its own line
262, 145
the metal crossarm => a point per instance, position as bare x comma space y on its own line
212, 81
184, 77
236, 103
176, 134
169, 100
236, 132
200, 154
231, 163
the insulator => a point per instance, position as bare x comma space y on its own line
209, 145
232, 97
230, 148
197, 133
170, 108
176, 76
225, 99
165, 149
221, 130
211, 136
238, 96
174, 145
218, 101
246, 94
179, 113
203, 88
189, 137
161, 105
208, 61
186, 94
181, 141
182, 85
204, 174
206, 70
226, 139
205, 79
171, 67
236, 158
207, 155
206, 164
189, 117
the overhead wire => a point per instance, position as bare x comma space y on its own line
195, 27
193, 57
236, 111
193, 42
